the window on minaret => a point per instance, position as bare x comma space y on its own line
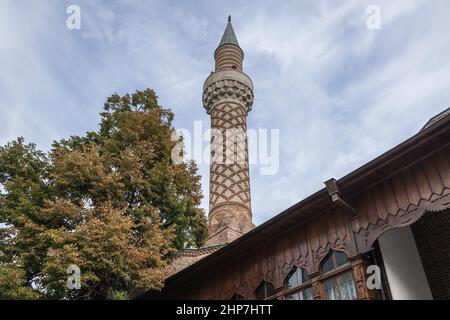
297, 285
264, 291
339, 283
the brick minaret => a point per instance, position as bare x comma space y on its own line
228, 97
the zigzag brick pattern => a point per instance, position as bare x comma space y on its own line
229, 180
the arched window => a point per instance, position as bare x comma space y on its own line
237, 297
342, 285
296, 278
333, 260
264, 291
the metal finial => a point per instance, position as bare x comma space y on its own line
229, 18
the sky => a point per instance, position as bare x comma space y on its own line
339, 93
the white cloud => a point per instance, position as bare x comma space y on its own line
335, 89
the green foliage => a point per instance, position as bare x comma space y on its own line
118, 295
111, 202
13, 285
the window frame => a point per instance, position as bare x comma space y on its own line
295, 290
336, 276
331, 255
318, 278
265, 283
293, 271
301, 287
336, 272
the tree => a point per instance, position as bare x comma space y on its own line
13, 285
24, 189
111, 202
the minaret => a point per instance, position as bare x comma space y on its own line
228, 97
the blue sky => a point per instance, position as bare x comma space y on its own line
340, 94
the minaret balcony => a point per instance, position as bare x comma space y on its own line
227, 85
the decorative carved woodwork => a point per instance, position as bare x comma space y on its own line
403, 195
366, 237
317, 290
360, 276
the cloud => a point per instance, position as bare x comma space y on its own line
339, 93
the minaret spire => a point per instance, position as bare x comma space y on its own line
229, 54
228, 97
229, 37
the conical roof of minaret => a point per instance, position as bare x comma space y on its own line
229, 37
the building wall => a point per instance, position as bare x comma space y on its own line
404, 270
304, 246
401, 199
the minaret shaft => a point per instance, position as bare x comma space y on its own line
229, 198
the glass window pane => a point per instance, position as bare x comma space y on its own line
340, 288
331, 289
269, 289
347, 285
340, 258
260, 293
306, 294
305, 276
292, 280
294, 296
327, 265
264, 291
